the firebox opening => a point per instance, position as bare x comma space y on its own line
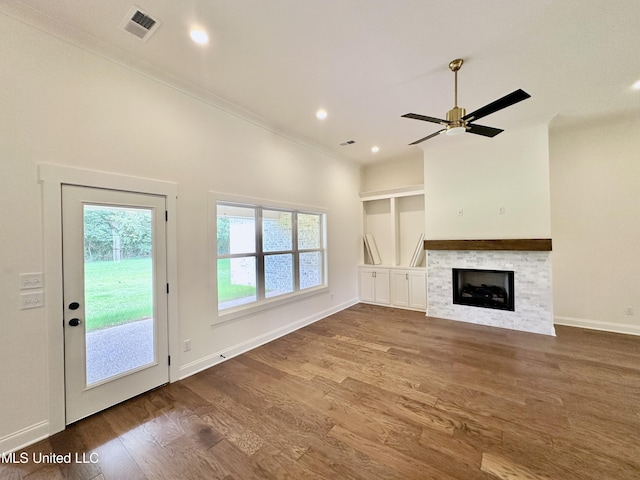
484, 288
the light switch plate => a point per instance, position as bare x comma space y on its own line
31, 300
31, 280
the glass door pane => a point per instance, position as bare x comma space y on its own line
119, 291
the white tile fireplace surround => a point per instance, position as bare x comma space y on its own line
532, 285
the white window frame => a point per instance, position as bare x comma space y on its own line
262, 302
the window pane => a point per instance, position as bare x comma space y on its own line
236, 229
236, 281
310, 269
278, 274
308, 231
276, 231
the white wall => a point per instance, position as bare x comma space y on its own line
397, 173
595, 217
479, 176
64, 105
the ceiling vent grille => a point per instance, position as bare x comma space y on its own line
140, 24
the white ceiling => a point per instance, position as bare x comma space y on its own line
367, 62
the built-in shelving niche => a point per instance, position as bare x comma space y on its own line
395, 219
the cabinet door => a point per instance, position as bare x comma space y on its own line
418, 290
367, 286
400, 288
382, 287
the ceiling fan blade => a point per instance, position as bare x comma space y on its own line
428, 137
504, 102
417, 116
482, 130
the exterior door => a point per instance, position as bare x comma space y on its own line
115, 297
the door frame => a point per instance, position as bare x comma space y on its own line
53, 177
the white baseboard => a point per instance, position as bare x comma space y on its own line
210, 360
25, 437
597, 325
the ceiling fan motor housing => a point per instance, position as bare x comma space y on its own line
454, 117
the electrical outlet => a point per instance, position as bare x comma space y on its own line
628, 310
501, 210
332, 296
31, 280
460, 212
31, 300
187, 345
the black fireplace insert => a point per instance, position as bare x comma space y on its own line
484, 288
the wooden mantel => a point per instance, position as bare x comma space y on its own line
515, 244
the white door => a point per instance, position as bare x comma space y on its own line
115, 297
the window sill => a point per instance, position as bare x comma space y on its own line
252, 308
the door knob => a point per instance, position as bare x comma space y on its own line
74, 322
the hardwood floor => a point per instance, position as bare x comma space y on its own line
377, 393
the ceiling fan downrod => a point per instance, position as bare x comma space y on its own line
454, 116
454, 66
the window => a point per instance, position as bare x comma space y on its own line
266, 253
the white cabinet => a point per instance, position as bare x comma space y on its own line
409, 289
400, 285
418, 290
397, 287
374, 286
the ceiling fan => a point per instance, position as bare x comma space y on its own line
458, 121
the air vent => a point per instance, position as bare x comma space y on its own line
348, 142
140, 24
143, 20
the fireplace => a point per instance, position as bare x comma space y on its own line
531, 265
484, 288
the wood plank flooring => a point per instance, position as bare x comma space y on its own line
375, 393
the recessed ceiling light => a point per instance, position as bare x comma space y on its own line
375, 149
199, 36
321, 114
636, 86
